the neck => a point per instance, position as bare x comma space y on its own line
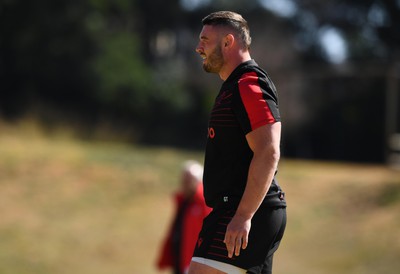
233, 62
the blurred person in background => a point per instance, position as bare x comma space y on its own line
248, 219
190, 210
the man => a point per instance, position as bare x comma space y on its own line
190, 210
248, 218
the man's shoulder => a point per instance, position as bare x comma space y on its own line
254, 68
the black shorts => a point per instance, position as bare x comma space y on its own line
266, 232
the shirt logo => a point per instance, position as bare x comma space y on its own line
211, 132
224, 95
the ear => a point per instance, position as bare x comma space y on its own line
229, 40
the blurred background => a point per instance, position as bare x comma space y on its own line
109, 97
129, 68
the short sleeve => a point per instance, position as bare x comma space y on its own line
257, 104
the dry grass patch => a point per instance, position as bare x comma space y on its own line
70, 206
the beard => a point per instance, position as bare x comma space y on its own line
214, 61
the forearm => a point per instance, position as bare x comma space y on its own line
264, 142
261, 173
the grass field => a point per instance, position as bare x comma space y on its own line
69, 206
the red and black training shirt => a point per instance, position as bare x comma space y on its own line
247, 100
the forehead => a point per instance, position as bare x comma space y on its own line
209, 32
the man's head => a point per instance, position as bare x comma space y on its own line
192, 175
234, 22
224, 42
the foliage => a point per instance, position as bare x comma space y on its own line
132, 65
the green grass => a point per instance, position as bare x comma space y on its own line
70, 206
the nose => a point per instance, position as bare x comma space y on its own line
199, 49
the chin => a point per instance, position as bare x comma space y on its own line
206, 68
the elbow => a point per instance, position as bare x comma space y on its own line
270, 154
275, 155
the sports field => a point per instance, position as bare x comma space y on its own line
70, 206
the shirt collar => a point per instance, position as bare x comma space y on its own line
250, 62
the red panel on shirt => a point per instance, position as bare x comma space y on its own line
256, 106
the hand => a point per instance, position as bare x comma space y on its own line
237, 235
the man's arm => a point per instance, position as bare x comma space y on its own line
264, 142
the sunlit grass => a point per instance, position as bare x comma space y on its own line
80, 207
337, 221
70, 206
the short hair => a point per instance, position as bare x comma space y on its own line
232, 20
